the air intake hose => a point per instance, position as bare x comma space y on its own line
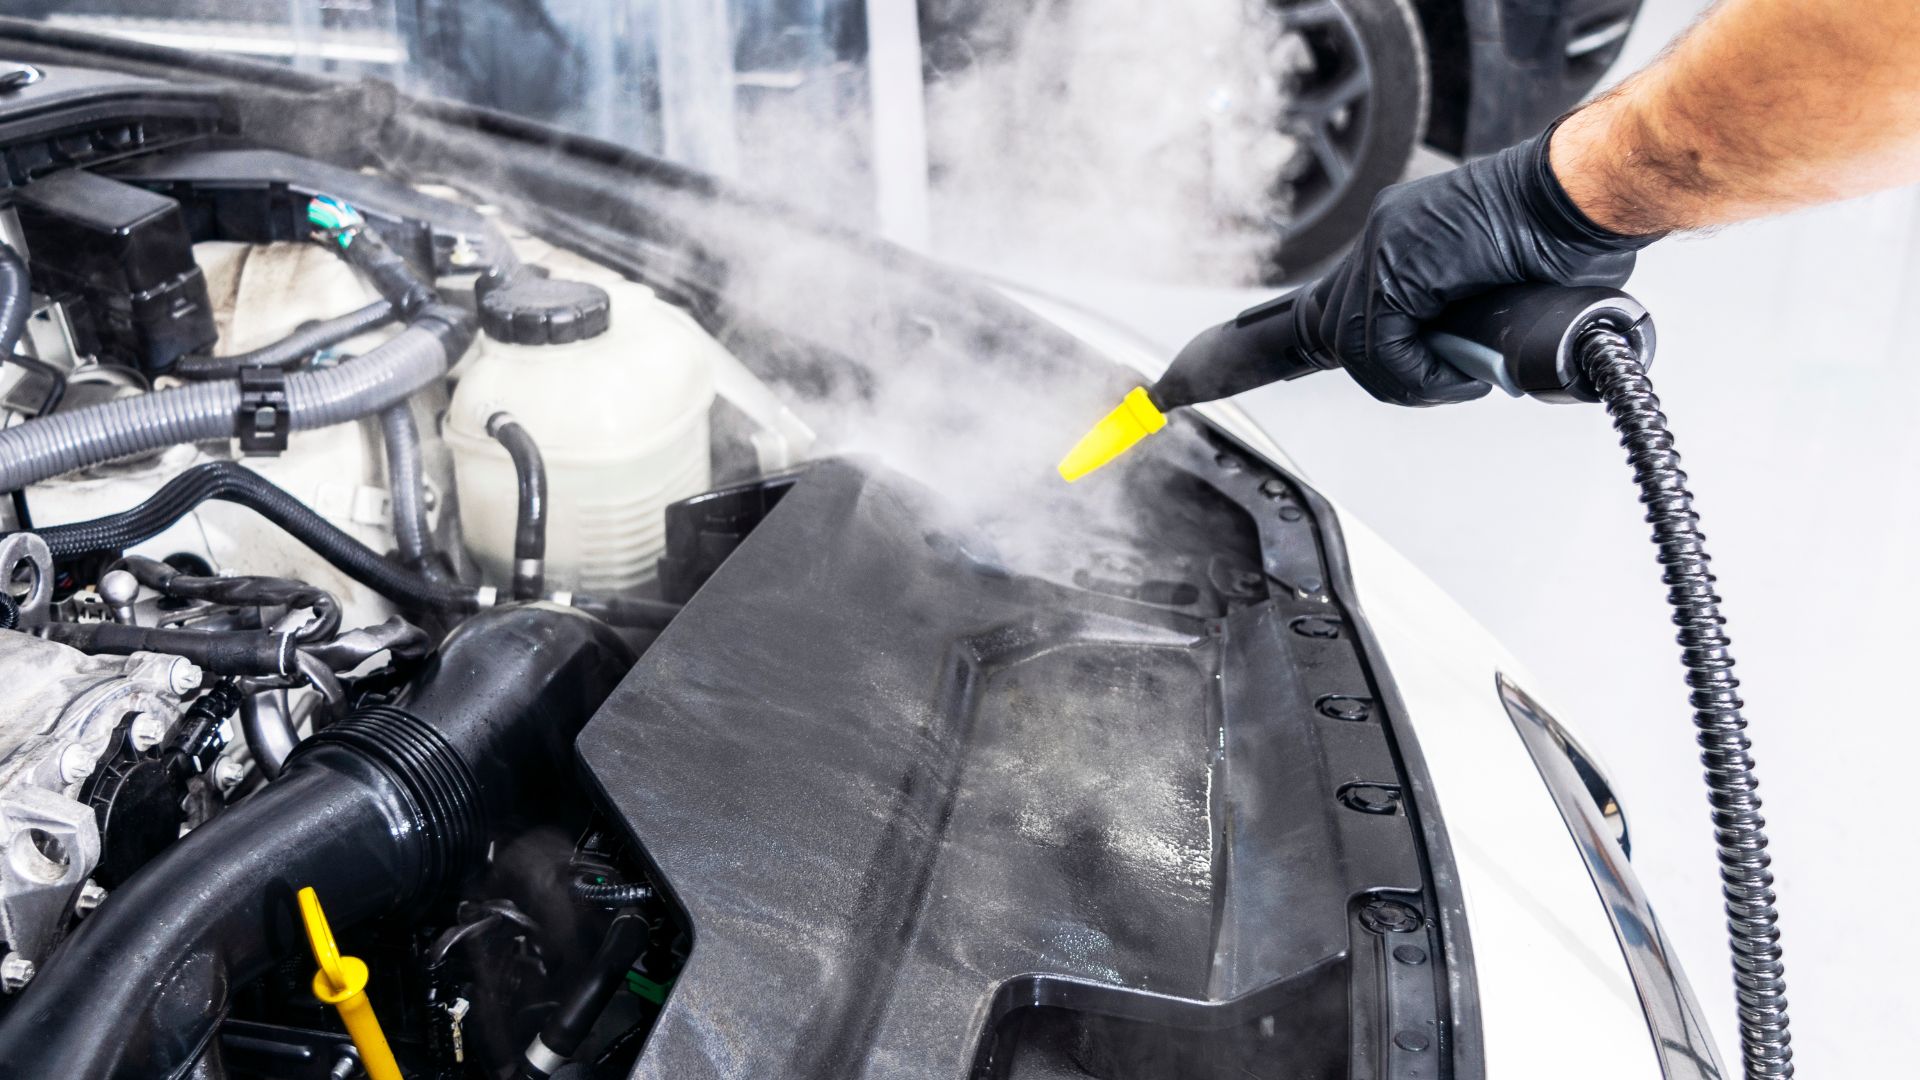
51, 445
380, 810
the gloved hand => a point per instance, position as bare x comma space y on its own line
1497, 221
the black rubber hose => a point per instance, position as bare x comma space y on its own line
376, 812
242, 590
390, 274
221, 652
56, 381
289, 350
530, 525
629, 611
198, 740
269, 730
1746, 877
230, 482
16, 299
406, 486
560, 1037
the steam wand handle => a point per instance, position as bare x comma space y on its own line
1519, 338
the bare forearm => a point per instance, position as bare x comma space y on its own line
1763, 107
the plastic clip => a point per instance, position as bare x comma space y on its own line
262, 420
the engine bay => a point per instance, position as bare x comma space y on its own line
341, 498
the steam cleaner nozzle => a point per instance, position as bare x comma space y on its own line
1519, 339
1135, 418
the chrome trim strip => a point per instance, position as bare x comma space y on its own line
1681, 1040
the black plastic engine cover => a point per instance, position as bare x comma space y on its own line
931, 816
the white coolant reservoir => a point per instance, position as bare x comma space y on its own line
614, 384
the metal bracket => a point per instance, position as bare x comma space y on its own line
25, 557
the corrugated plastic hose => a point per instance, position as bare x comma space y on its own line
16, 300
48, 446
1746, 880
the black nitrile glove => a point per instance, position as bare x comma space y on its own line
1497, 221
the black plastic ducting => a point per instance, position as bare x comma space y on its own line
377, 812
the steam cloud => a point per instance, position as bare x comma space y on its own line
1123, 138
1128, 137
1118, 138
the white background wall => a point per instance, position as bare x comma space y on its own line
1789, 363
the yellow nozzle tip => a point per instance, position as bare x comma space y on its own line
1133, 419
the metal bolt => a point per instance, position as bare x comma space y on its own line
119, 588
1414, 1041
1291, 513
16, 972
1316, 626
1309, 584
184, 677
1371, 798
91, 896
343, 1068
1344, 707
76, 764
1389, 917
1273, 488
1227, 462
1412, 955
146, 732
228, 774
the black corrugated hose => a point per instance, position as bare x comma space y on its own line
1746, 877
610, 893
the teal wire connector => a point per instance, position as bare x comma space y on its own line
334, 219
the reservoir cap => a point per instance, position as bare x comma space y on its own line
526, 307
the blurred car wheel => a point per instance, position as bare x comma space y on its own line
1357, 108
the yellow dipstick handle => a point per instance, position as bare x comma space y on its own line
342, 983
1135, 418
